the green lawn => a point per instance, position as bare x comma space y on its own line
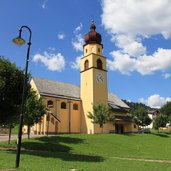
15, 130
90, 153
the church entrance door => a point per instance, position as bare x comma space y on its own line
119, 128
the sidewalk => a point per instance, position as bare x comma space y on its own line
4, 137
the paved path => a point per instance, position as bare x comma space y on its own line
4, 137
141, 159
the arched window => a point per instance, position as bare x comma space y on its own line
63, 105
86, 65
99, 64
52, 120
48, 117
75, 106
50, 104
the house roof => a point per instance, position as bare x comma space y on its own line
122, 118
116, 108
65, 90
113, 99
153, 111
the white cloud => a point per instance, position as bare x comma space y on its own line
130, 22
61, 36
54, 62
142, 17
51, 49
44, 4
166, 75
129, 45
78, 41
78, 28
144, 64
155, 101
76, 64
121, 62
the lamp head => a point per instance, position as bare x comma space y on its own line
18, 40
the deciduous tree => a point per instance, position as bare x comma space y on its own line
11, 84
140, 117
160, 121
33, 110
100, 114
166, 111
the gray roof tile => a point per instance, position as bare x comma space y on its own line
45, 86
60, 89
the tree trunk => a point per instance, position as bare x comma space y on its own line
101, 129
9, 139
28, 131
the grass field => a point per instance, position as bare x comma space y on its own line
112, 152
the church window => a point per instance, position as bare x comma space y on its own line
86, 50
98, 49
75, 106
50, 104
99, 64
63, 105
86, 65
52, 120
48, 118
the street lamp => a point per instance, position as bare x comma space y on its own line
20, 41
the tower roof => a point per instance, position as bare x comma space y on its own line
92, 36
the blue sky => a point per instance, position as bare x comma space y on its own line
136, 35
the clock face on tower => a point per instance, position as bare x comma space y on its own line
99, 77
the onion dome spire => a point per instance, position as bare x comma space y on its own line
92, 36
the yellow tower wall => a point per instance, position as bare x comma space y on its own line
87, 101
92, 91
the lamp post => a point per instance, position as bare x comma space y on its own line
20, 41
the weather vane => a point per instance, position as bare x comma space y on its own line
92, 21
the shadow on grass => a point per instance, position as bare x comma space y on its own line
129, 134
66, 156
161, 135
167, 133
51, 143
57, 147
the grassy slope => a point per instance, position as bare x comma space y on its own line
91, 152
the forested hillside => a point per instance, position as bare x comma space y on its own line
134, 106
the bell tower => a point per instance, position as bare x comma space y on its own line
93, 76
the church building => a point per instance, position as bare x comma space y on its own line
69, 104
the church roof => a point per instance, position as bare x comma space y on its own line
57, 89
65, 90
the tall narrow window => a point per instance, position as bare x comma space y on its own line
52, 120
86, 65
99, 64
50, 104
63, 105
